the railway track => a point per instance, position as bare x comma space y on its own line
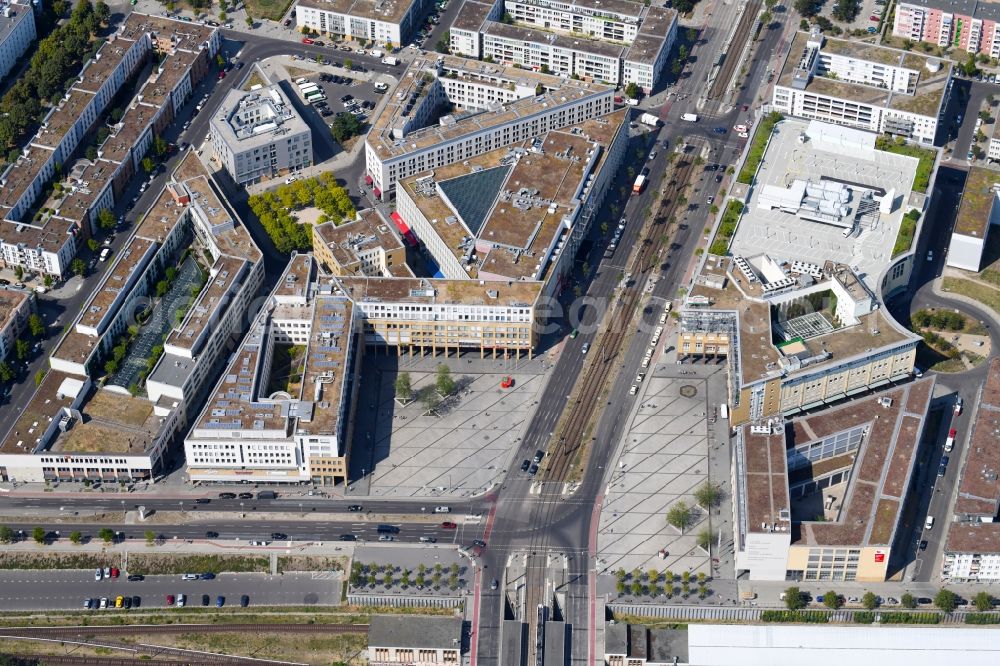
45, 660
132, 629
609, 346
735, 50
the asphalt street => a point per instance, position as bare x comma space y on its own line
84, 502
67, 590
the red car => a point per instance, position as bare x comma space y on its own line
874, 18
951, 433
449, 526
114, 572
306, 40
170, 600
222, 74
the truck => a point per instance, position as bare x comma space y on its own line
306, 87
649, 119
640, 184
267, 494
390, 60
949, 443
690, 117
315, 96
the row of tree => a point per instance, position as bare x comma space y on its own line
22, 346
41, 536
945, 600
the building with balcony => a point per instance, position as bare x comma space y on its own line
16, 305
380, 21
17, 32
970, 25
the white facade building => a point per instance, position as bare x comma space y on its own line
383, 22
978, 211
17, 32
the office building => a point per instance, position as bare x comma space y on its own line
822, 497
977, 213
493, 107
367, 246
617, 42
281, 411
969, 25
796, 304
17, 32
383, 22
864, 86
258, 135
113, 400
415, 640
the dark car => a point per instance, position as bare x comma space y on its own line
449, 526
220, 601
533, 470
525, 464
346, 98
240, 65
479, 542
206, 600
208, 575
227, 495
5, 282
246, 495
211, 535
279, 536
495, 584
923, 544
136, 601
135, 578
202, 500
539, 454
354, 507
924, 601
245, 600
127, 602
719, 130
326, 112
348, 537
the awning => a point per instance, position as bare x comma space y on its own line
879, 383
817, 403
378, 192
857, 390
403, 228
368, 180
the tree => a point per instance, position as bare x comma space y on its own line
22, 349
345, 126
444, 383
105, 218
793, 599
75, 538
708, 495
39, 535
48, 280
404, 389
632, 90
148, 164
249, 21
705, 539
107, 535
946, 600
39, 376
348, 64
869, 601
766, 18
807, 8
442, 44
223, 17
832, 600
78, 267
93, 245
6, 372
430, 400
36, 325
91, 153
6, 534
679, 516
682, 52
102, 12
150, 537
19, 272
111, 366
908, 600
983, 601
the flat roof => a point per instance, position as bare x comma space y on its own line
87, 183
108, 57
22, 173
346, 241
471, 16
925, 100
326, 364
113, 423
51, 235
257, 118
652, 35
766, 481
410, 631
183, 35
134, 123
558, 91
978, 196
11, 301
389, 11
296, 279
45, 405
422, 290
222, 276
60, 119
126, 261
980, 9
174, 67
526, 34
18, 13
882, 466
979, 489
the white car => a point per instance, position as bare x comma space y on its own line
291, 179
442, 509
585, 348
190, 576
633, 390
743, 135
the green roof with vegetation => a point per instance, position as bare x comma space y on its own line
757, 147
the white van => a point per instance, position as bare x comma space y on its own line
301, 80
929, 523
105, 253
442, 509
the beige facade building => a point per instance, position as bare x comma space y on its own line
415, 641
15, 308
367, 246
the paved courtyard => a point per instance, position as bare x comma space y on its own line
463, 450
663, 460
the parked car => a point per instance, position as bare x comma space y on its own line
136, 601
220, 601
135, 578
245, 600
354, 507
170, 600
525, 464
206, 600
208, 575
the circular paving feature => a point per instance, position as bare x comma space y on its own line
689, 391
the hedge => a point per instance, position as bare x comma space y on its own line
900, 617
907, 230
982, 618
758, 146
812, 617
720, 246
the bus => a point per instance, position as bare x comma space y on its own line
640, 184
305, 90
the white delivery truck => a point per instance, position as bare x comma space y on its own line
390, 60
690, 117
305, 90
649, 119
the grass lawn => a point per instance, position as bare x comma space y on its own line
287, 366
178, 564
92, 438
979, 292
759, 143
268, 9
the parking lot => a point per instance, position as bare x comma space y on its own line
867, 10
344, 94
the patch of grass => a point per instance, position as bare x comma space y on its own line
810, 617
982, 618
978, 292
949, 365
922, 179
305, 563
272, 10
144, 563
255, 79
990, 275
760, 138
907, 230
727, 228
43, 560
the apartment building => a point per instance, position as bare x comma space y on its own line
615, 43
517, 213
864, 86
972, 547
822, 497
17, 32
382, 21
47, 241
76, 428
795, 305
16, 306
415, 640
286, 422
500, 106
258, 135
970, 25
978, 211
366, 246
